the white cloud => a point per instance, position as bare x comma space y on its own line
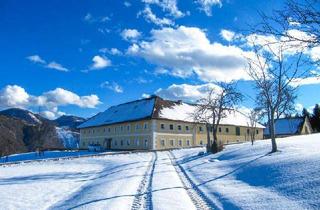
112, 86
206, 5
16, 96
227, 35
145, 95
130, 34
151, 17
185, 51
112, 51
305, 81
298, 107
100, 62
36, 59
88, 18
187, 92
13, 96
169, 6
56, 66
50, 65
127, 4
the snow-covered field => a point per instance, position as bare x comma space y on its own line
46, 155
240, 177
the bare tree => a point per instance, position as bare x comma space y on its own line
214, 107
274, 67
254, 116
297, 22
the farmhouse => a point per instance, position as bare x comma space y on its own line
155, 124
290, 126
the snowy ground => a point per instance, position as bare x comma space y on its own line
240, 177
45, 155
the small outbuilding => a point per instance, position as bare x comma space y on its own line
290, 126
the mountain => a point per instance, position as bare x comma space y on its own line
69, 121
23, 131
25, 115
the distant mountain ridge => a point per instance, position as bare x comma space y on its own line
22, 131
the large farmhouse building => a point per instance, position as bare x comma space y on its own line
154, 124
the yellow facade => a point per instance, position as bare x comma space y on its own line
158, 134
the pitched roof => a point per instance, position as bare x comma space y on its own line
287, 126
157, 108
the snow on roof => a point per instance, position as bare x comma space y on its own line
134, 110
158, 108
286, 126
183, 112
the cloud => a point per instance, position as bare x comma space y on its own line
305, 81
90, 19
127, 4
112, 51
130, 34
186, 51
13, 96
50, 65
56, 66
112, 86
227, 35
100, 62
187, 92
169, 6
151, 17
145, 95
36, 59
206, 5
16, 96
298, 107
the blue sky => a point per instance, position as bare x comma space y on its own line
79, 57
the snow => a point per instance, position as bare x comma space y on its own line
34, 118
247, 177
183, 112
124, 112
70, 139
46, 155
286, 126
242, 176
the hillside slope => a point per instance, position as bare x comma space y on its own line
240, 177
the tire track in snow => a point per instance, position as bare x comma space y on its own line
199, 199
143, 198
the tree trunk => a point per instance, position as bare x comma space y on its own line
208, 138
272, 133
215, 141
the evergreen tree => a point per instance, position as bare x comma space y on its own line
315, 119
305, 113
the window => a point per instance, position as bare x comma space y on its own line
128, 142
128, 127
171, 142
200, 128
187, 128
179, 127
104, 130
188, 142
257, 131
146, 142
238, 131
248, 131
137, 142
227, 130
109, 130
171, 127
145, 126
115, 142
163, 142
121, 142
219, 129
180, 142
